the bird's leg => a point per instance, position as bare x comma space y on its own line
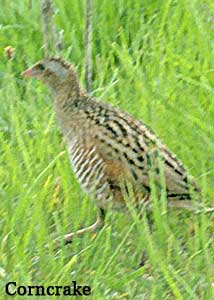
150, 222
144, 256
98, 224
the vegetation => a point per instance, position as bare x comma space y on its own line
153, 59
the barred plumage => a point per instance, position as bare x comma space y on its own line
108, 148
117, 139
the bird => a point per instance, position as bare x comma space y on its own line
109, 149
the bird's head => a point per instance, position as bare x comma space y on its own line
55, 72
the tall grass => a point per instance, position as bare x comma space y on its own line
153, 59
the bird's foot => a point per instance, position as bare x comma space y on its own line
98, 224
142, 260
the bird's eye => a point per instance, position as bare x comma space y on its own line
41, 66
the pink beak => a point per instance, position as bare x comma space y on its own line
27, 73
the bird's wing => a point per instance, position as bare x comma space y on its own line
123, 138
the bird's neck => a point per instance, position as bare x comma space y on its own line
65, 110
67, 92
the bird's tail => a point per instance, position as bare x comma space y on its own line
191, 206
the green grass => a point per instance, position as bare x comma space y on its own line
153, 59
